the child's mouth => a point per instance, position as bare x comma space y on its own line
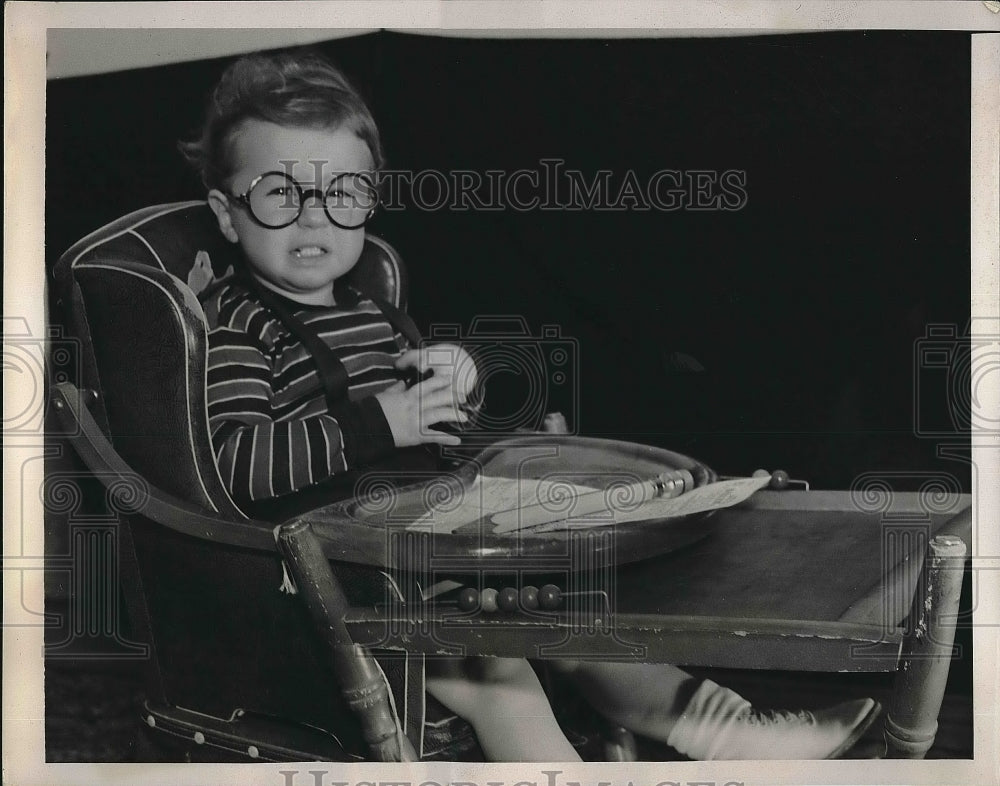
308, 252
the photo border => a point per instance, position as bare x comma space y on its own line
25, 30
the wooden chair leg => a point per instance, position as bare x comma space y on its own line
911, 723
357, 672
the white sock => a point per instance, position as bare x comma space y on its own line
720, 724
702, 730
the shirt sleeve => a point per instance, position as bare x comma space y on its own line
259, 456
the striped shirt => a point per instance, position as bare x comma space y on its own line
271, 429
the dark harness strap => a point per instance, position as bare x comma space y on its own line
399, 319
407, 686
332, 374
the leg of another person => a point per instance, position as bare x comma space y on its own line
504, 702
704, 720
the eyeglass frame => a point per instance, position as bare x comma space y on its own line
304, 194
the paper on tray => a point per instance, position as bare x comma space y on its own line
714, 496
489, 496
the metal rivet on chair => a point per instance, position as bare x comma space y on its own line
150, 720
199, 738
252, 752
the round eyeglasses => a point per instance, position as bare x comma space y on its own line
276, 200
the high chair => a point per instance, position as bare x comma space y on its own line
239, 669
235, 669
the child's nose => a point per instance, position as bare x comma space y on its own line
313, 210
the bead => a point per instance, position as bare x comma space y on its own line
508, 599
252, 752
761, 473
488, 600
151, 721
779, 479
529, 597
468, 599
199, 738
549, 597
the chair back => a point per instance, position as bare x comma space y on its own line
226, 644
130, 290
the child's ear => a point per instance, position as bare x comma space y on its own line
219, 203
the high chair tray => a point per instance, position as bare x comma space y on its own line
455, 514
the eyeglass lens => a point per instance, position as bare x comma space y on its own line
276, 200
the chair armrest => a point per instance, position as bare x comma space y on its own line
100, 457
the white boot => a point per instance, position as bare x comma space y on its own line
720, 724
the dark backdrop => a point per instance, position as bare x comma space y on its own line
802, 308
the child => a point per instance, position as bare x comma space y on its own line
288, 153
276, 427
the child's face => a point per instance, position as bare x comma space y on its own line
302, 260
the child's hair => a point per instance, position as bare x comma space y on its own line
290, 88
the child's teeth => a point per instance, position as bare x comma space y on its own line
308, 251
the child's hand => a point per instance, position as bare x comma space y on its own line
411, 413
445, 360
